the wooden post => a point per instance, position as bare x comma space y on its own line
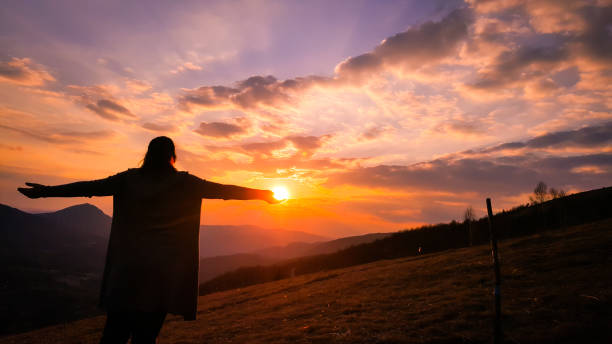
497, 339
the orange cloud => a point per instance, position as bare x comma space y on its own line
221, 130
22, 71
164, 128
63, 137
109, 109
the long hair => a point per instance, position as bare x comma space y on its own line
158, 159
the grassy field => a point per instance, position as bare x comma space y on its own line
557, 288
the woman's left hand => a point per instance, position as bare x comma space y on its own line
34, 190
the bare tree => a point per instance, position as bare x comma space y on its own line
561, 193
554, 193
469, 216
539, 193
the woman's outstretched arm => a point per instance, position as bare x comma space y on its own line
100, 187
222, 191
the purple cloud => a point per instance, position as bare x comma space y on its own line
109, 109
413, 48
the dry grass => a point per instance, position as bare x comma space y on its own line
557, 288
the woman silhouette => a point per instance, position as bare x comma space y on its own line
152, 259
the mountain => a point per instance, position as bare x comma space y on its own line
82, 217
228, 240
211, 267
51, 265
214, 266
300, 249
54, 239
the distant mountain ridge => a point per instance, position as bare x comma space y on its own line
78, 225
211, 267
51, 265
82, 215
300, 249
228, 240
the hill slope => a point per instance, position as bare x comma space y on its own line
556, 289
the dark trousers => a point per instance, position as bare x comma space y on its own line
142, 327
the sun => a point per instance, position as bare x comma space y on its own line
280, 193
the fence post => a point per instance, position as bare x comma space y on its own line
497, 339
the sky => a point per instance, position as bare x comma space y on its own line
376, 115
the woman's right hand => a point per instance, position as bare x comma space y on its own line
268, 196
34, 190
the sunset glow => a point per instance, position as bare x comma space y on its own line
280, 193
376, 115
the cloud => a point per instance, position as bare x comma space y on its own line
260, 90
547, 16
523, 63
22, 71
102, 100
502, 147
206, 96
220, 129
523, 59
250, 93
288, 146
109, 109
596, 40
86, 135
185, 67
423, 45
411, 49
523, 47
137, 86
461, 127
449, 175
113, 106
482, 172
115, 67
502, 176
372, 133
61, 137
587, 137
290, 154
567, 77
159, 127
10, 147
307, 143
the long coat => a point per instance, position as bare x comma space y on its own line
153, 251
